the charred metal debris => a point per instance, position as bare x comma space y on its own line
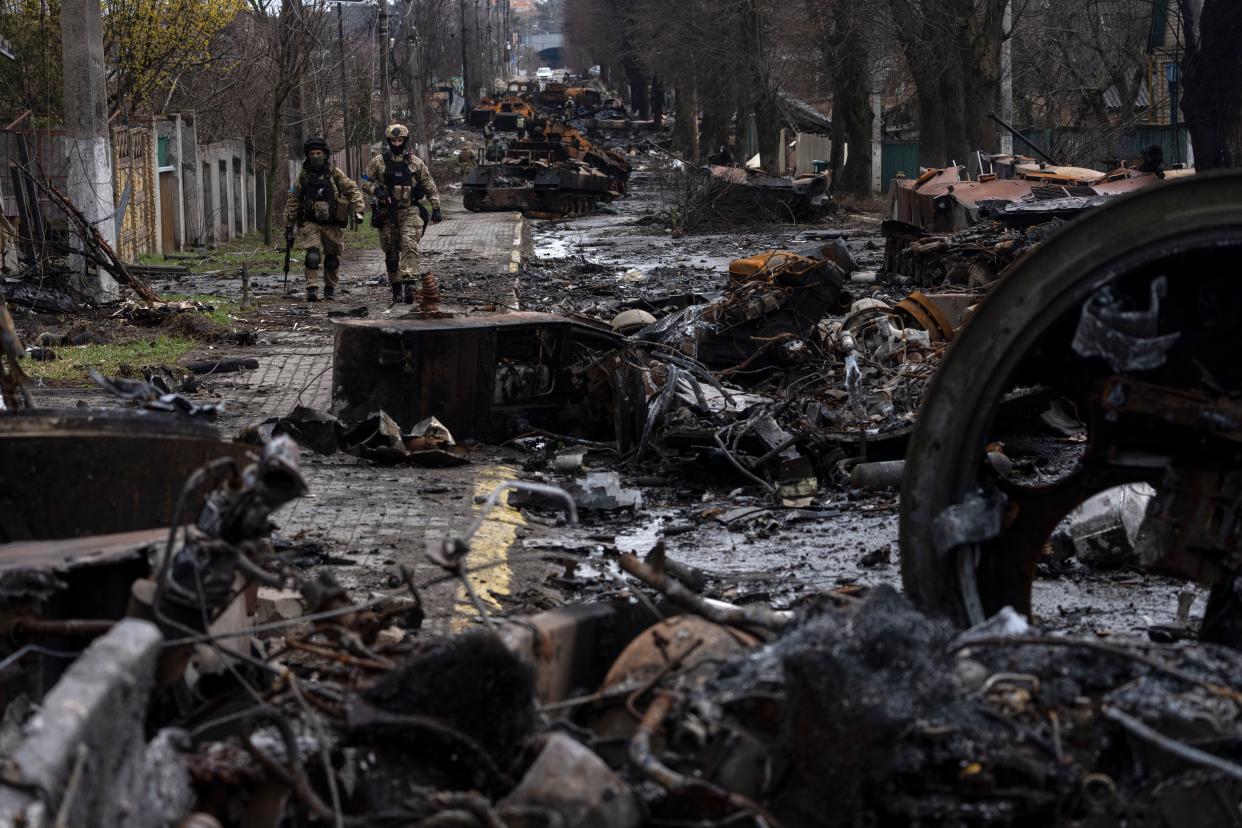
228, 687
174, 663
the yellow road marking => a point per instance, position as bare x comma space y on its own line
491, 544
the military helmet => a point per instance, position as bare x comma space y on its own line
316, 143
396, 131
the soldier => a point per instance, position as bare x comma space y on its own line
465, 161
495, 152
399, 180
320, 201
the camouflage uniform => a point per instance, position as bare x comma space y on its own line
409, 224
465, 161
326, 236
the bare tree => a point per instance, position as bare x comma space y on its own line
291, 30
1212, 77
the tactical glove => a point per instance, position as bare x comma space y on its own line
381, 195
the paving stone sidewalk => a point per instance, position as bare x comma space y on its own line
381, 517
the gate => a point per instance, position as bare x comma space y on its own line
134, 187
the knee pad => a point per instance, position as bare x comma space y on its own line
392, 264
312, 258
331, 262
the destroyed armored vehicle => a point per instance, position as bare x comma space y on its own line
482, 114
509, 110
554, 171
552, 96
780, 198
945, 227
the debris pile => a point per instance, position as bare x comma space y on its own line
299, 704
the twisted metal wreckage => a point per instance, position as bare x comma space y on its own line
679, 708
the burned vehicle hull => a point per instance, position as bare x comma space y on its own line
943, 227
486, 378
778, 198
1125, 318
566, 188
556, 172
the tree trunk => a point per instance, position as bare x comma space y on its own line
640, 101
685, 124
657, 100
980, 32
851, 101
836, 152
923, 47
768, 129
273, 173
933, 150
1212, 86
956, 141
715, 131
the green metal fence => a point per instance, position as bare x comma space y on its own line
898, 156
1094, 147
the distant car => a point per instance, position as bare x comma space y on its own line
543, 73
594, 71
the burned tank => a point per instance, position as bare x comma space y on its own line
554, 171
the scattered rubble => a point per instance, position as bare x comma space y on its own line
171, 659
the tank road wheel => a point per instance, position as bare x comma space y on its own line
1129, 318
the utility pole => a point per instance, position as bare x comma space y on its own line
340, 39
385, 93
86, 130
465, 55
414, 84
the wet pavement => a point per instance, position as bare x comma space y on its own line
372, 520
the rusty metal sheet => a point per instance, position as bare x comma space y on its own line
78, 472
70, 553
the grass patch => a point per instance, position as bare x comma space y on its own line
73, 361
223, 309
259, 257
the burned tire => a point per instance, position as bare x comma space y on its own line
1186, 230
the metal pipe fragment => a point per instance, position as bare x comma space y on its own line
715, 611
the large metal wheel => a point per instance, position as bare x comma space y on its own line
1156, 409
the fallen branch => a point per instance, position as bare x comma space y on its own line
110, 262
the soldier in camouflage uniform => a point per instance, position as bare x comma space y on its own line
399, 180
320, 201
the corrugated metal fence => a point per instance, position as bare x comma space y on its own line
1083, 147
898, 156
1096, 147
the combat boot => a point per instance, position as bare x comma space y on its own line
329, 292
397, 292
312, 294
409, 293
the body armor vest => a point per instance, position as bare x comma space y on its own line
399, 179
319, 197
